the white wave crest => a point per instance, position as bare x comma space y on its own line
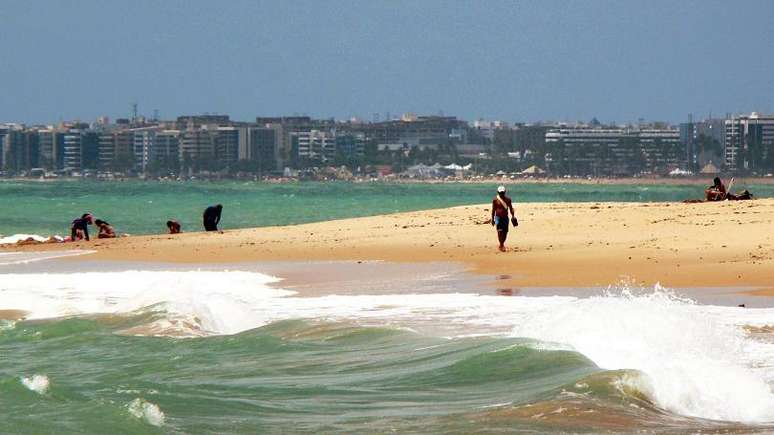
695, 363
697, 360
36, 383
202, 302
150, 412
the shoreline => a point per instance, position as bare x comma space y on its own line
704, 180
556, 244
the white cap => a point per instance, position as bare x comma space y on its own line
501, 189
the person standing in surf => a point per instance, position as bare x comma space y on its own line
211, 217
501, 205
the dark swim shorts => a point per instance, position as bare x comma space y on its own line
501, 224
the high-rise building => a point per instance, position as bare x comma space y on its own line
143, 142
3, 134
313, 146
703, 142
166, 146
487, 129
116, 150
81, 150
261, 145
350, 145
227, 140
51, 143
614, 151
749, 143
196, 145
72, 150
20, 150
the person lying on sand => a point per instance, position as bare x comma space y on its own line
501, 204
718, 192
80, 227
174, 227
106, 230
37, 240
741, 196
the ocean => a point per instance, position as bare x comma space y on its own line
132, 349
154, 348
137, 207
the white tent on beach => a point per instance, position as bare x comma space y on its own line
532, 170
677, 172
709, 168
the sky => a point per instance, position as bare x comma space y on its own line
618, 61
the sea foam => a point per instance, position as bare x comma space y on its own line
150, 412
36, 383
695, 360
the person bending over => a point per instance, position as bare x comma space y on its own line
174, 227
501, 205
79, 229
211, 217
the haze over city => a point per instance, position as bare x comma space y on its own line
617, 61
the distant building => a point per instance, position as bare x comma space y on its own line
166, 147
20, 150
51, 146
425, 132
189, 121
81, 150
487, 129
227, 140
3, 134
313, 147
697, 138
196, 144
261, 145
614, 151
116, 150
749, 143
350, 145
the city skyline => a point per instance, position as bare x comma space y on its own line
618, 62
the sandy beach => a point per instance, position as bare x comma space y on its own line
556, 244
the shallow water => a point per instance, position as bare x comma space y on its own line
138, 207
187, 351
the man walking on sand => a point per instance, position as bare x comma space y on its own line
501, 204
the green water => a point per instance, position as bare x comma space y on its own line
138, 207
299, 377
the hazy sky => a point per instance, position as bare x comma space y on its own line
510, 60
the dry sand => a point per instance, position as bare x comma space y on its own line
556, 244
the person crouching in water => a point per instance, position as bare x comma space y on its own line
501, 205
174, 227
106, 230
79, 230
211, 217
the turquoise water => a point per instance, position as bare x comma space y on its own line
195, 351
301, 377
138, 207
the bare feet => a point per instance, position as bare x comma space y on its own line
502, 248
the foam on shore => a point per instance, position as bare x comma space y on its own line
10, 258
696, 360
